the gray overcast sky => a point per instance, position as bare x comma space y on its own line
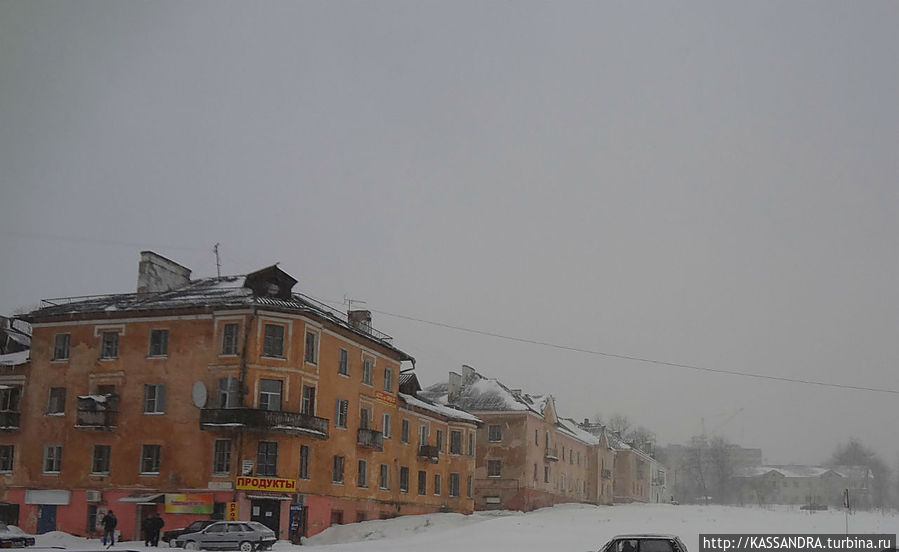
704, 183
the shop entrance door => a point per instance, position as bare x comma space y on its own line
268, 513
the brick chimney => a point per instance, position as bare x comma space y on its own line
454, 391
360, 320
468, 375
155, 273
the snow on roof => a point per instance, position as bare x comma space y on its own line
570, 426
14, 359
617, 442
443, 410
805, 471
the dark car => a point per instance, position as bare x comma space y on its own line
645, 543
170, 536
245, 536
13, 537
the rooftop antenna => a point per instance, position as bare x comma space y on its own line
218, 261
349, 302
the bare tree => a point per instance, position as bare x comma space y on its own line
619, 423
855, 453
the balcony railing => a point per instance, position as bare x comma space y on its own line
9, 420
254, 419
551, 454
607, 474
96, 419
428, 452
370, 438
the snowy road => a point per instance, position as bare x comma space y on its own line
576, 528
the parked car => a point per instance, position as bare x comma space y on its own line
170, 536
645, 543
13, 537
245, 536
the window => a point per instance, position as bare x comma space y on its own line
436, 484
546, 474
273, 346
221, 457
364, 418
471, 444
340, 413
52, 458
57, 402
536, 437
61, 346
367, 366
154, 398
388, 380
6, 457
307, 406
159, 343
343, 362
270, 394
311, 347
100, 459
494, 433
385, 426
404, 479
468, 487
229, 338
493, 468
547, 439
150, 456
535, 471
422, 482
304, 461
439, 440
337, 471
454, 484
267, 458
455, 442
404, 431
362, 474
109, 345
227, 392
9, 398
384, 477
422, 435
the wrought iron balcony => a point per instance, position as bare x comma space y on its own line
607, 474
428, 452
9, 420
370, 438
254, 419
96, 419
551, 454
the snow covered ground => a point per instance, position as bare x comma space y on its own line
571, 527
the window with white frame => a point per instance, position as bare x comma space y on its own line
454, 484
270, 394
150, 458
154, 398
61, 346
343, 362
422, 435
439, 440
230, 333
340, 412
437, 484
307, 406
273, 343
455, 442
109, 345
267, 458
367, 368
404, 431
228, 392
388, 380
385, 425
159, 343
311, 347
57, 401
221, 457
52, 458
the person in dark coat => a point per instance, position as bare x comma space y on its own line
156, 525
109, 522
147, 527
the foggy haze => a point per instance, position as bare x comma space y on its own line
703, 184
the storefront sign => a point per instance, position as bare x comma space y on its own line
266, 484
220, 485
246, 467
385, 398
188, 503
231, 512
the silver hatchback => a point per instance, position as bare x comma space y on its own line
245, 536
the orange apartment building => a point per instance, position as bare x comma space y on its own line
632, 472
528, 456
228, 397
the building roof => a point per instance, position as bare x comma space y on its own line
219, 292
442, 410
796, 470
486, 395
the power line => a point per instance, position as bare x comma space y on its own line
636, 358
35, 235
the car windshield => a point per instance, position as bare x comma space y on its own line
196, 526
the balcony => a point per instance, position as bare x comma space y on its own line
551, 454
97, 412
370, 438
9, 420
253, 419
607, 474
428, 452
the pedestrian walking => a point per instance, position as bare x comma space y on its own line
109, 522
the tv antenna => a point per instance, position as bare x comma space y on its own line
349, 302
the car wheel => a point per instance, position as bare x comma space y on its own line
191, 545
246, 546
172, 543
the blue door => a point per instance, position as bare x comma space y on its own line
46, 518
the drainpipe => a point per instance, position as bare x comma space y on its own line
241, 386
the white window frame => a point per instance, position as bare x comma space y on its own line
156, 399
55, 457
